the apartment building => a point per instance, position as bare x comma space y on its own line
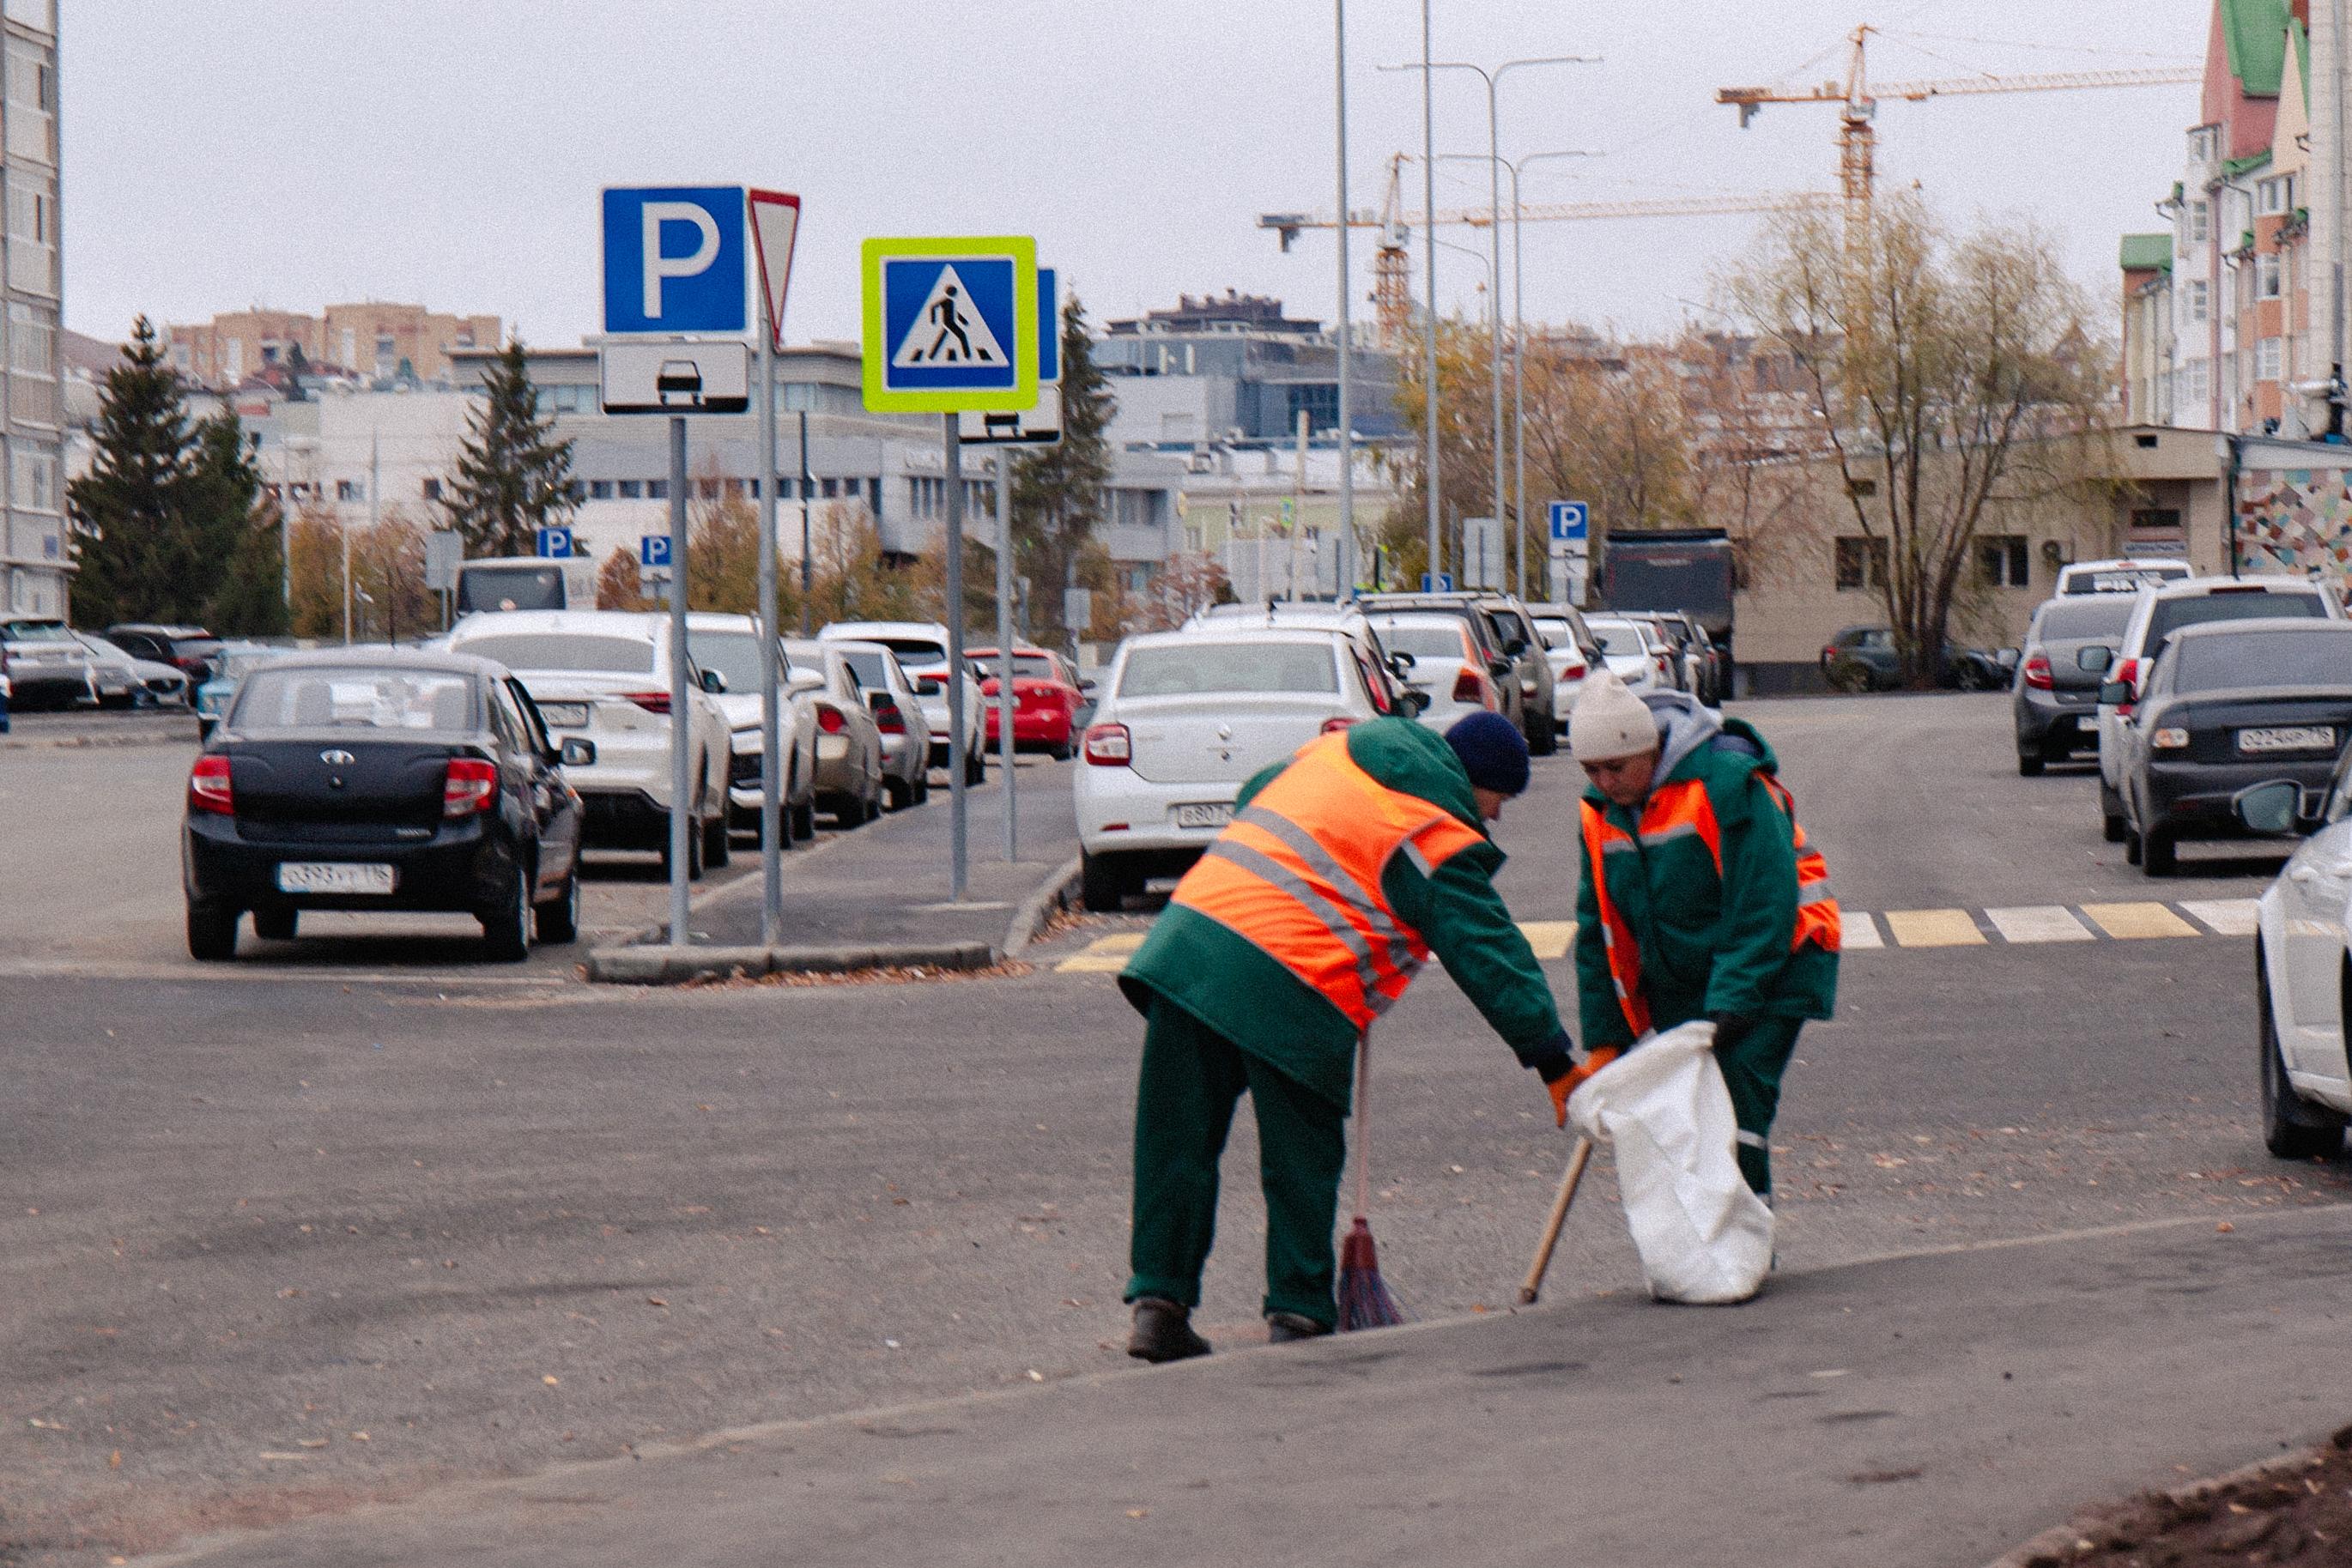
34, 557
373, 341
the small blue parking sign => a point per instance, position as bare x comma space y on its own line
653, 549
674, 259
1441, 583
555, 544
1571, 520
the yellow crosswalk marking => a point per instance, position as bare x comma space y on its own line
1550, 938
1933, 929
1103, 956
2038, 922
2127, 922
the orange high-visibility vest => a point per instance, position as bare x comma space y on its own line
1297, 875
1674, 811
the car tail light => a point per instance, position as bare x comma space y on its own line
1666, 670
652, 702
2169, 739
209, 789
1572, 671
829, 720
1469, 688
2037, 673
889, 720
1338, 721
471, 786
1108, 745
2127, 673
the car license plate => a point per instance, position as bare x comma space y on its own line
333, 876
564, 715
2296, 737
1215, 815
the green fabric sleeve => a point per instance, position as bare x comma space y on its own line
1760, 899
1257, 782
1596, 991
1464, 920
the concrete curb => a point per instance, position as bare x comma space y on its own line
2063, 1542
91, 742
662, 965
1052, 895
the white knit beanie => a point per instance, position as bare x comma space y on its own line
1609, 721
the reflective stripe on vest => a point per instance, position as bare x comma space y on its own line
1297, 875
1682, 810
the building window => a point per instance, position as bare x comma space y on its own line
33, 339
350, 490
2004, 561
656, 489
2267, 359
2195, 296
2165, 520
2196, 378
600, 489
1857, 487
2266, 274
631, 489
2202, 143
1858, 554
433, 489
2274, 196
32, 477
2201, 225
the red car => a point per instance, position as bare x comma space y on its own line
1045, 699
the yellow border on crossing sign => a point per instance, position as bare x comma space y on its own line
1023, 394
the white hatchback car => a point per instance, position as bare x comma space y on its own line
1445, 667
2304, 942
1186, 717
2158, 612
922, 650
603, 675
1636, 651
731, 645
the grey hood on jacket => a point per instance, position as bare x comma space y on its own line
1685, 724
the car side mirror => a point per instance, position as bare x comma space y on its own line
2116, 693
1086, 685
1499, 668
1514, 647
803, 681
2273, 809
576, 752
2005, 658
1416, 702
1401, 662
713, 682
2095, 659
882, 701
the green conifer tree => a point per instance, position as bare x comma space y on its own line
514, 477
225, 485
137, 558
1058, 493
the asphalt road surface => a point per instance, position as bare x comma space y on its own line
272, 1244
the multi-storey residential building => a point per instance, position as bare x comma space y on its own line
1233, 367
373, 341
34, 556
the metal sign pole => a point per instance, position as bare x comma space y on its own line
681, 711
951, 456
772, 770
1004, 701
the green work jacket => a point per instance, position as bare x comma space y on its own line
1242, 992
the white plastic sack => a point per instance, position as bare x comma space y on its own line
1704, 1237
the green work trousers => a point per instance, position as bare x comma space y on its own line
1183, 1107
1751, 1071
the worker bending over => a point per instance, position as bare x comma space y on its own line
1343, 870
1698, 896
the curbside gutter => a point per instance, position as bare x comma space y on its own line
2061, 1542
1052, 895
677, 966
90, 742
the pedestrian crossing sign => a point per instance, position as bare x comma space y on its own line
951, 324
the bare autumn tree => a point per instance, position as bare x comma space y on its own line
616, 583
1932, 361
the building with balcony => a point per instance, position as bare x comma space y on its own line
34, 557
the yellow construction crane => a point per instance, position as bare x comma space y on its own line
1392, 266
1858, 100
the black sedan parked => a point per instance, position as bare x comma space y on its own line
2055, 702
2229, 704
382, 779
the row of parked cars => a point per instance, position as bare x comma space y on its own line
1187, 716
2220, 707
548, 731
46, 663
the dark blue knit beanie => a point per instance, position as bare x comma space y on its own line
1492, 751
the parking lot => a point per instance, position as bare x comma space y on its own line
357, 1215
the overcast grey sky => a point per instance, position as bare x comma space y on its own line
290, 153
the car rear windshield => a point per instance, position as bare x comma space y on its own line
510, 588
564, 651
317, 696
869, 669
35, 632
2171, 614
913, 650
1175, 669
1425, 639
195, 647
2264, 659
1619, 638
2093, 616
2122, 579
734, 654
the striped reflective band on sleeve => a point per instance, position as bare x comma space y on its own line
1600, 838
1334, 919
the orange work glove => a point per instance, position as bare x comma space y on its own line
1562, 1087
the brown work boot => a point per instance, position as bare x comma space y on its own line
1164, 1332
1283, 1328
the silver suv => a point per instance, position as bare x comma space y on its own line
46, 665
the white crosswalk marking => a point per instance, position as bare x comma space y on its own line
2038, 922
2227, 916
1860, 930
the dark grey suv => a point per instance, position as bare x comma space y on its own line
2055, 700
1507, 641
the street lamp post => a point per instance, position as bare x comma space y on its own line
1346, 577
1519, 365
1474, 255
1493, 79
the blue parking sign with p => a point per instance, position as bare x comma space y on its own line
653, 549
555, 544
674, 259
1571, 520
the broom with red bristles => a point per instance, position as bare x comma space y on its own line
1364, 1299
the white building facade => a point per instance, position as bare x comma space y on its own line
34, 560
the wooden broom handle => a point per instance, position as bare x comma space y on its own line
1533, 1286
1363, 1124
